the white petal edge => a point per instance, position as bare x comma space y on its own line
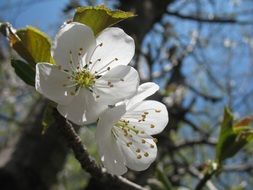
144, 90
72, 37
49, 81
110, 153
156, 119
121, 89
115, 44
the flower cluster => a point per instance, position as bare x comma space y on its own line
91, 81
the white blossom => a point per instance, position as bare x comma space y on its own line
124, 132
89, 73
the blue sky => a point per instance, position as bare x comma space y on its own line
44, 14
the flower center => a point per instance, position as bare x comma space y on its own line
84, 79
126, 127
128, 135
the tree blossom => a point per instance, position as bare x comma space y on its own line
124, 132
90, 73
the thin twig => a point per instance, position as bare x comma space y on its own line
86, 161
222, 20
204, 180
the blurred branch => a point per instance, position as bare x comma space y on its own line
190, 143
204, 179
215, 19
206, 96
85, 160
238, 167
9, 119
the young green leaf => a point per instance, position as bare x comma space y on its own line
233, 137
36, 43
30, 43
99, 17
24, 71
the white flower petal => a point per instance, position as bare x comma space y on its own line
144, 90
115, 44
50, 82
72, 37
109, 151
111, 156
83, 109
139, 155
119, 83
156, 117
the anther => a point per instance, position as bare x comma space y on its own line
72, 93
108, 68
146, 154
81, 49
142, 132
99, 59
146, 113
97, 96
79, 54
155, 140
116, 59
152, 146
152, 126
138, 150
143, 141
100, 44
138, 156
122, 80
129, 143
157, 110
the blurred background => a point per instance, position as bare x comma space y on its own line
200, 52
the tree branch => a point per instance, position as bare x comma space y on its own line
189, 143
86, 161
216, 19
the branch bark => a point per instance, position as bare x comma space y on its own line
86, 161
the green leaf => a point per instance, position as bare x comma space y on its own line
48, 118
163, 178
30, 43
98, 18
24, 71
233, 137
36, 43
